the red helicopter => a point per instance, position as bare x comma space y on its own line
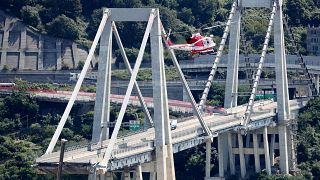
196, 44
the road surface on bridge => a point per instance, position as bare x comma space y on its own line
137, 148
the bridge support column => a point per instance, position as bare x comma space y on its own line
4, 44
138, 173
109, 176
208, 158
231, 155
247, 156
231, 88
100, 130
256, 152
283, 107
273, 138
185, 96
125, 175
266, 150
220, 152
92, 176
164, 153
243, 168
153, 176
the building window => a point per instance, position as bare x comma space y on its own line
315, 48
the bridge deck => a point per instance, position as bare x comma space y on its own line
137, 148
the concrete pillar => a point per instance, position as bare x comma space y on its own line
102, 104
75, 56
208, 158
125, 175
109, 176
316, 79
23, 46
59, 55
243, 170
247, 156
138, 173
225, 146
220, 154
185, 96
256, 152
153, 176
284, 164
40, 53
92, 176
231, 155
164, 152
4, 44
266, 150
106, 176
283, 107
272, 149
231, 89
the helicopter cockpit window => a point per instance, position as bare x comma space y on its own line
206, 42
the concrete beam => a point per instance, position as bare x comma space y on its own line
255, 3
130, 14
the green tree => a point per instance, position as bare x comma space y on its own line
80, 65
299, 11
30, 15
64, 27
16, 159
71, 8
186, 15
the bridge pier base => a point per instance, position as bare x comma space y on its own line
125, 175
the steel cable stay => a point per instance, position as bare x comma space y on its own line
218, 57
249, 108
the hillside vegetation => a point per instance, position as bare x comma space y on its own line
78, 19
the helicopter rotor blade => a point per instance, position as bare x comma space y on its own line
211, 27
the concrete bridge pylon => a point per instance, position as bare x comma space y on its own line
231, 94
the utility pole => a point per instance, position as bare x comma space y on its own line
61, 159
